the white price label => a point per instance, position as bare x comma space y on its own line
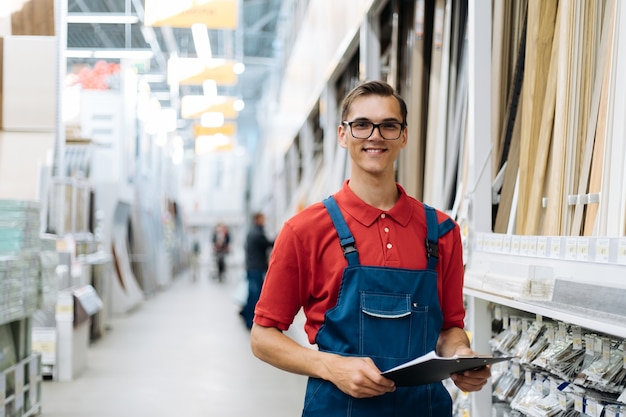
603, 247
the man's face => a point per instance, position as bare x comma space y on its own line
373, 155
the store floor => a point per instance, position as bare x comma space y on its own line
182, 352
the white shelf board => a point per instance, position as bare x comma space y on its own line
589, 319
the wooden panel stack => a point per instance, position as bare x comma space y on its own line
563, 119
413, 176
594, 130
436, 94
601, 126
35, 17
445, 122
433, 164
507, 142
539, 40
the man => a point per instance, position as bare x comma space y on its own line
221, 248
379, 278
257, 246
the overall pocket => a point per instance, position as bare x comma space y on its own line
392, 326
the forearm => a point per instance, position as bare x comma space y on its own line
356, 376
272, 346
453, 341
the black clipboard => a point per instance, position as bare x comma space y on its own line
432, 368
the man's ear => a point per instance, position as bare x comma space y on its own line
342, 138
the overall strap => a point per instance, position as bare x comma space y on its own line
435, 230
346, 239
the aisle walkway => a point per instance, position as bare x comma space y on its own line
184, 352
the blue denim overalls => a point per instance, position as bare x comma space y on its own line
391, 315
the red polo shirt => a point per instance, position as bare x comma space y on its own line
307, 262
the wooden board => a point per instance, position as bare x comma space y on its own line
540, 32
506, 136
456, 133
457, 103
33, 18
433, 164
595, 179
417, 99
592, 125
537, 177
509, 186
555, 197
498, 72
578, 109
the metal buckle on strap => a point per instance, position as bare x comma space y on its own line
349, 248
432, 249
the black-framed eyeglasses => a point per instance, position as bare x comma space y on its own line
362, 129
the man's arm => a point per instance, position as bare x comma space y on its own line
454, 341
355, 376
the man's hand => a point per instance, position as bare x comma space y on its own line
472, 380
357, 377
452, 342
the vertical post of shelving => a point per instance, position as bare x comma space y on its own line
479, 179
60, 7
479, 117
612, 220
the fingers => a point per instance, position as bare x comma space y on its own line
360, 378
471, 381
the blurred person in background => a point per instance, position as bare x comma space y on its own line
221, 247
195, 254
257, 253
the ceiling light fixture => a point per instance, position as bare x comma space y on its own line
212, 119
239, 105
239, 68
201, 41
209, 87
102, 18
109, 53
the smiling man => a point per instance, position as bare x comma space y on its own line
378, 274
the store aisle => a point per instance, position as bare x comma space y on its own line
183, 352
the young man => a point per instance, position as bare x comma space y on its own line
378, 275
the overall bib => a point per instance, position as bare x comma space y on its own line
391, 315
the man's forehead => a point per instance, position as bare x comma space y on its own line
375, 106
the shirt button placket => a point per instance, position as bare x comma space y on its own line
386, 230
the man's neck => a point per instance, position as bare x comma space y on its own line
381, 193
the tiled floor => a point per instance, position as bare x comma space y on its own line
183, 352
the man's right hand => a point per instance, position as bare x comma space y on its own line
355, 376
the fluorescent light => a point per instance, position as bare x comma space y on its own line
207, 144
212, 119
239, 68
123, 53
102, 18
201, 41
109, 53
78, 53
154, 77
239, 105
209, 87
167, 120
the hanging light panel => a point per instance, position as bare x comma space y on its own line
215, 14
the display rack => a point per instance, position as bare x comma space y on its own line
582, 274
20, 388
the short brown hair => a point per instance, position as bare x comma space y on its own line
372, 88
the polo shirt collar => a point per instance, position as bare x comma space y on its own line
365, 214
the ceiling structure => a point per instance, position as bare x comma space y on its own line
95, 30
